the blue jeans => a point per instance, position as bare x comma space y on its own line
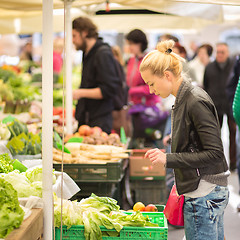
203, 216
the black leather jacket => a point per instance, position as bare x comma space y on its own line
196, 141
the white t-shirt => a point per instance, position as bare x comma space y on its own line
199, 70
204, 188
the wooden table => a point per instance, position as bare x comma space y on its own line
31, 228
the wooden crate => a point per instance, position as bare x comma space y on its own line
31, 228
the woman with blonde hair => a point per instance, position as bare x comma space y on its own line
197, 155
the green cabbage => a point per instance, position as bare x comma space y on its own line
23, 186
35, 174
11, 214
103, 204
136, 219
71, 213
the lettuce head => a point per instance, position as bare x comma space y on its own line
11, 214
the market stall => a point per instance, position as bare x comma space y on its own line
47, 118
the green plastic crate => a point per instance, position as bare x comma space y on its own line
149, 191
127, 233
109, 172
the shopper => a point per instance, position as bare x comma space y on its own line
100, 79
139, 96
199, 63
181, 51
196, 156
58, 46
26, 53
215, 82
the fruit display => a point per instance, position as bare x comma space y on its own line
139, 206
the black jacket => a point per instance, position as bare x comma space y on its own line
98, 70
233, 80
215, 83
196, 142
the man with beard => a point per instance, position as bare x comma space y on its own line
100, 79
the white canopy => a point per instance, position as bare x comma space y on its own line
25, 16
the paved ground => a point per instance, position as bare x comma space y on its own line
232, 217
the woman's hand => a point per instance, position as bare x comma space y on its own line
156, 156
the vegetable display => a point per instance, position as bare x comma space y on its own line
11, 214
22, 185
6, 163
94, 212
4, 132
25, 144
16, 127
27, 183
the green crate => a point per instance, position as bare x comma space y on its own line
112, 171
149, 191
127, 233
101, 189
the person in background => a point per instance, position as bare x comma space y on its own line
100, 79
231, 89
138, 91
26, 53
216, 76
197, 156
167, 36
194, 49
181, 51
121, 117
199, 63
58, 46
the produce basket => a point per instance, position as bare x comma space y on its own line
127, 233
111, 171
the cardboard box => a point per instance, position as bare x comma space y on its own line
139, 152
142, 167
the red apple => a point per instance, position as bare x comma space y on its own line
150, 208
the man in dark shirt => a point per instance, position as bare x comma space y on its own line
215, 83
100, 80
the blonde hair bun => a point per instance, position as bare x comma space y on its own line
165, 46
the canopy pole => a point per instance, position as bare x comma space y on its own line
47, 116
68, 65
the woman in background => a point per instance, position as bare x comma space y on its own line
139, 95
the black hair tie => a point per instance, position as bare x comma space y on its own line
169, 50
